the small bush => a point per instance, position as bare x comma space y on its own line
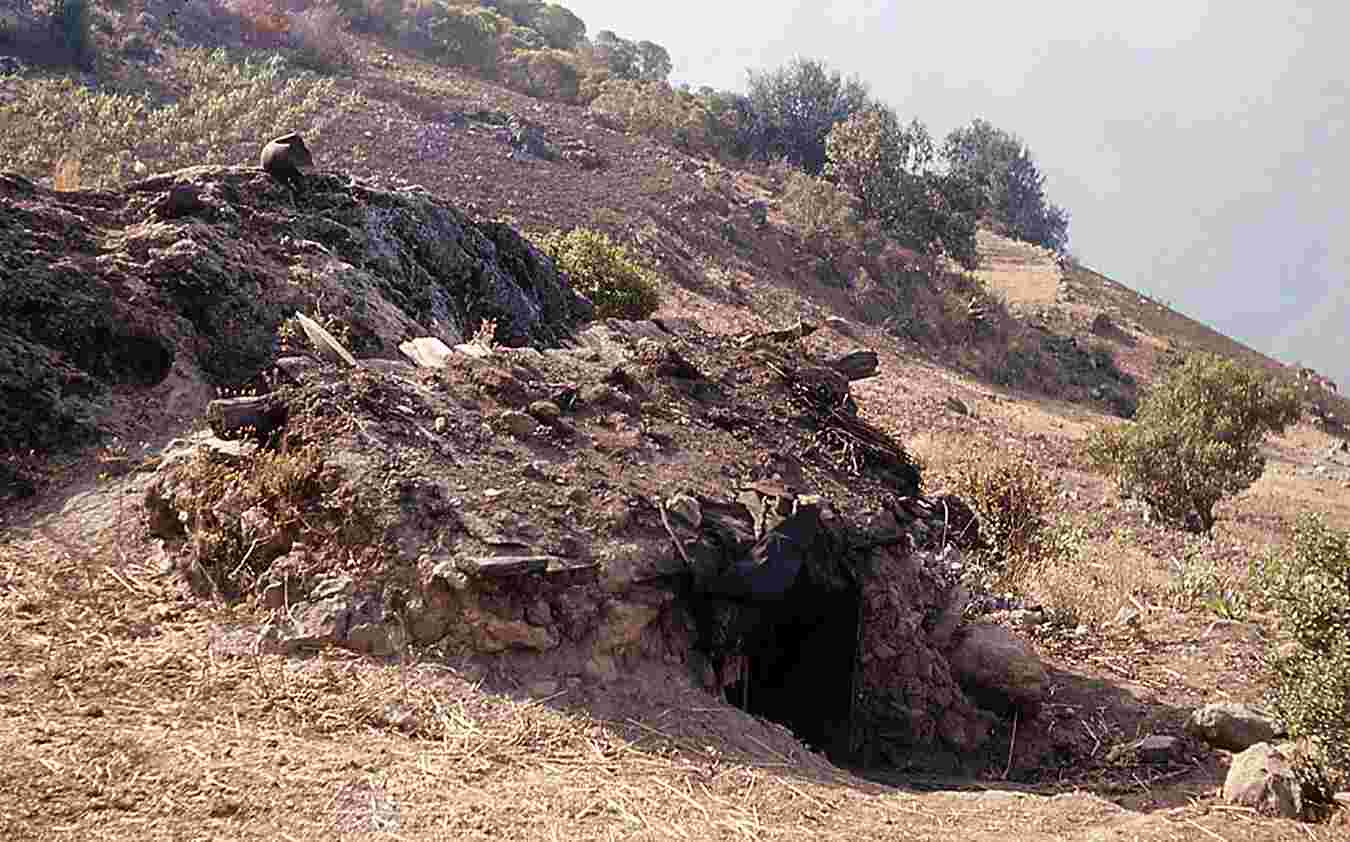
654, 109
1012, 499
1196, 438
546, 74
467, 37
818, 209
321, 40
1309, 586
378, 16
603, 271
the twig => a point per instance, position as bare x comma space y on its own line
1011, 745
1205, 830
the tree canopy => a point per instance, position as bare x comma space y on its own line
1011, 187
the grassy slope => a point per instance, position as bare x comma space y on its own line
129, 716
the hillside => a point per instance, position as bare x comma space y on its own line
141, 700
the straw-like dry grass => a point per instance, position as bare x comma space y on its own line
132, 712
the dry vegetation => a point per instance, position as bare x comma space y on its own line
133, 710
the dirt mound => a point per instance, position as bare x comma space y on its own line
651, 497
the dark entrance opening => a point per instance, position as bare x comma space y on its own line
802, 658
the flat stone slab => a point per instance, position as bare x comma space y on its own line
500, 566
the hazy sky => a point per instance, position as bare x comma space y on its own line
1202, 148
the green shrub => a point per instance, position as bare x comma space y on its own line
603, 271
44, 401
1012, 500
1309, 586
656, 110
817, 208
1196, 438
546, 74
891, 168
467, 37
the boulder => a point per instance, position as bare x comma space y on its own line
1263, 778
999, 669
1231, 726
1155, 749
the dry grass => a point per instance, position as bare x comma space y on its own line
1091, 584
228, 109
133, 715
1026, 276
66, 174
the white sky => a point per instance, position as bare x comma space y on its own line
1202, 148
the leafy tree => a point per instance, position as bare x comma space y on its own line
562, 29
1012, 189
639, 61
1196, 438
655, 62
891, 169
467, 37
734, 124
796, 106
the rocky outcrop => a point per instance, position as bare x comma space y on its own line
178, 283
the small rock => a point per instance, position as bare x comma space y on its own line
597, 394
1154, 749
1262, 778
1128, 615
400, 717
539, 613
440, 424
332, 586
1231, 726
426, 351
545, 411
517, 423
324, 342
1026, 617
957, 405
